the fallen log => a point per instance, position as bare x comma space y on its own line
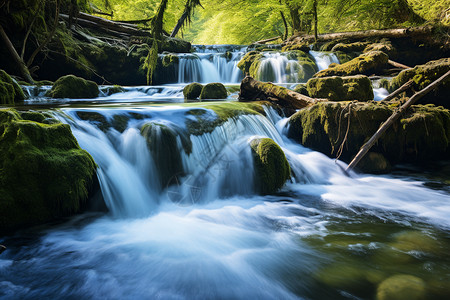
398, 65
366, 147
89, 24
386, 33
267, 40
109, 28
103, 21
401, 89
254, 90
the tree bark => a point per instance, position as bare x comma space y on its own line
366, 147
286, 29
387, 33
105, 22
398, 65
315, 20
180, 23
21, 66
254, 90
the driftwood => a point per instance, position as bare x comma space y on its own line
401, 89
253, 90
20, 64
267, 40
398, 65
387, 33
366, 147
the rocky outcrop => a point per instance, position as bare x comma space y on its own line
192, 91
423, 133
10, 91
336, 88
45, 174
423, 75
367, 64
73, 87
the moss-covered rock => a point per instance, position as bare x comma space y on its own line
170, 59
345, 56
384, 46
402, 287
192, 90
215, 90
422, 133
374, 163
352, 47
271, 166
301, 89
302, 47
73, 87
10, 90
367, 63
45, 174
245, 63
206, 117
162, 142
423, 75
356, 87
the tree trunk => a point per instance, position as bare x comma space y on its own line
21, 66
315, 19
366, 147
295, 18
267, 40
286, 29
180, 23
356, 35
254, 90
398, 65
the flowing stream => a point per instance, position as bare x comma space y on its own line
204, 233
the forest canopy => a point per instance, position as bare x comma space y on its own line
243, 22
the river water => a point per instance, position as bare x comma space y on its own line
205, 233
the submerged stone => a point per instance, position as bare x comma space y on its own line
45, 174
402, 287
10, 90
214, 90
192, 90
271, 166
356, 87
367, 64
73, 87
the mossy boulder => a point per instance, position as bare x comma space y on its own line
45, 174
162, 142
272, 169
10, 90
422, 76
402, 287
344, 57
374, 163
301, 89
351, 47
302, 47
422, 133
73, 87
192, 90
367, 63
215, 90
245, 63
356, 87
384, 46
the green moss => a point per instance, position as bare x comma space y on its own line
345, 57
423, 75
367, 63
73, 87
10, 90
384, 83
302, 47
248, 59
328, 45
422, 133
301, 89
206, 117
162, 142
192, 90
384, 46
45, 174
170, 59
271, 166
402, 287
356, 87
214, 90
352, 47
374, 163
